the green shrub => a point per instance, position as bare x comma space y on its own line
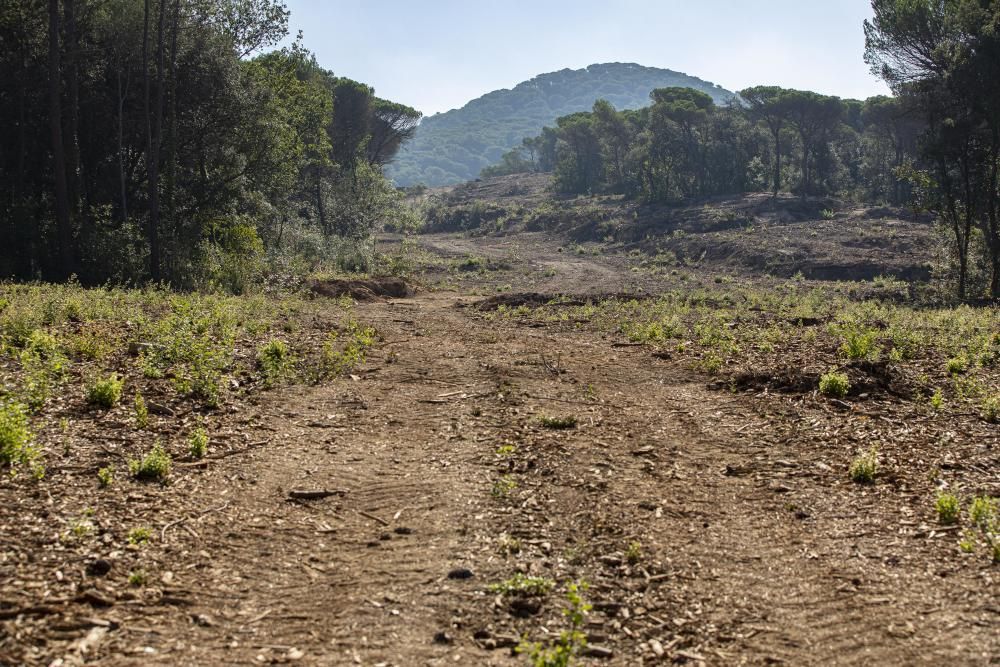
948, 508
106, 392
864, 467
956, 365
522, 584
155, 465
139, 536
859, 345
834, 384
275, 360
991, 409
106, 477
198, 443
16, 440
558, 423
141, 412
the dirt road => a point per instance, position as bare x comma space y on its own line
711, 527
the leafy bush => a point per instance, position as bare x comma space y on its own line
105, 392
834, 384
155, 465
864, 467
275, 360
859, 345
558, 423
948, 508
16, 440
198, 443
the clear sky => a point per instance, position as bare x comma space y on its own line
439, 54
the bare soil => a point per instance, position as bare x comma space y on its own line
712, 526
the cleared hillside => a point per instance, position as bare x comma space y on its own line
454, 146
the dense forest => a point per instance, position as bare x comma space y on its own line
684, 146
453, 147
156, 141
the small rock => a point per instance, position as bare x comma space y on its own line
461, 573
525, 607
98, 568
443, 638
403, 530
482, 634
295, 654
656, 647
202, 620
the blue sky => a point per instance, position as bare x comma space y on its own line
439, 54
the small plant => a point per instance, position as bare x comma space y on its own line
864, 467
828, 214
198, 443
141, 412
859, 345
522, 584
571, 642
633, 554
137, 578
106, 392
139, 536
937, 399
506, 450
275, 361
16, 440
991, 409
984, 514
106, 477
155, 465
558, 423
834, 384
503, 486
948, 508
956, 365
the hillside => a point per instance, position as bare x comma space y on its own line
454, 146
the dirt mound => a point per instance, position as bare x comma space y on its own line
374, 289
866, 377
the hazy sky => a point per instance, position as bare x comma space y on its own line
439, 54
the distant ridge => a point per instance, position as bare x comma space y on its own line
454, 146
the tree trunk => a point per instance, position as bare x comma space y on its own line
121, 144
777, 160
72, 123
64, 230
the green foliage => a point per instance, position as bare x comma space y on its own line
275, 360
522, 584
141, 412
991, 409
571, 642
139, 536
455, 146
105, 392
503, 486
137, 578
834, 384
948, 508
864, 467
558, 423
859, 345
17, 447
106, 477
633, 554
198, 443
154, 466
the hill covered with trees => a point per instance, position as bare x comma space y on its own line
455, 146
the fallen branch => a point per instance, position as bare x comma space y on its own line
315, 495
373, 517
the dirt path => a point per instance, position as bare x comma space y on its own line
745, 553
